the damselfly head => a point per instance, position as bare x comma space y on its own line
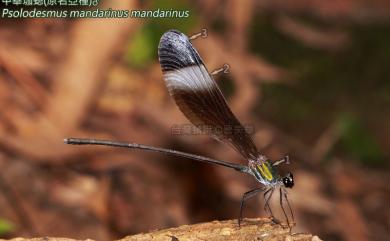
288, 180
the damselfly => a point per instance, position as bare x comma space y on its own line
199, 98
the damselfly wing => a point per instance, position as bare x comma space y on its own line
198, 95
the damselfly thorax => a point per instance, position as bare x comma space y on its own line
264, 172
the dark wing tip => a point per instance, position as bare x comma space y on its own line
174, 31
175, 51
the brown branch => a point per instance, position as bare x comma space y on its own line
251, 229
47, 239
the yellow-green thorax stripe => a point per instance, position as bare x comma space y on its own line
265, 171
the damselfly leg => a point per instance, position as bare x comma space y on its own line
247, 195
283, 195
267, 207
289, 207
267, 196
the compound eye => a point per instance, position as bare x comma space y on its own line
288, 181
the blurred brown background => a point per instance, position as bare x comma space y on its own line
312, 77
